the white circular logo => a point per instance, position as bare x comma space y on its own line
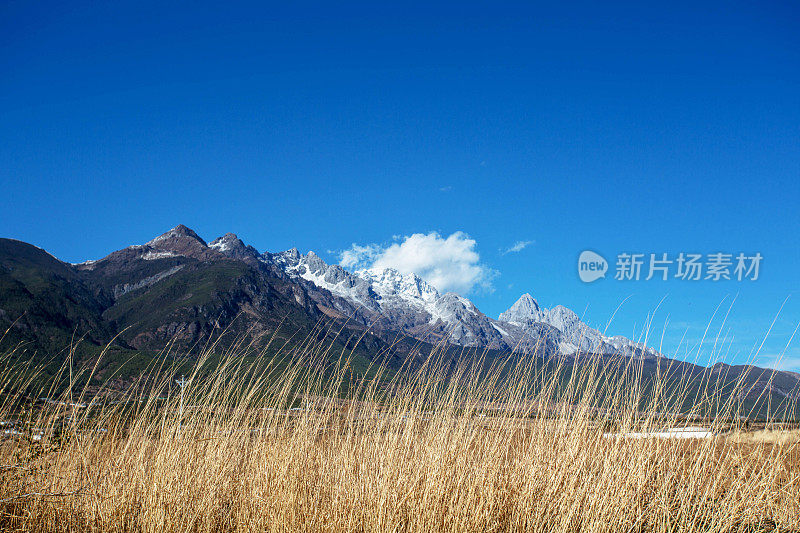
591, 266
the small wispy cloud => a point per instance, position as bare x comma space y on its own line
516, 247
446, 188
786, 362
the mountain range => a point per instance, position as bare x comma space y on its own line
178, 290
384, 299
405, 302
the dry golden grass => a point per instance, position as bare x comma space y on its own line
418, 452
785, 437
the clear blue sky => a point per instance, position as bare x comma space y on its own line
612, 126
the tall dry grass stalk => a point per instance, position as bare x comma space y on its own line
303, 444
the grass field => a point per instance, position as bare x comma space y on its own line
436, 447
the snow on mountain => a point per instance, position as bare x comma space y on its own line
405, 301
576, 335
149, 256
396, 290
408, 303
232, 246
524, 311
330, 277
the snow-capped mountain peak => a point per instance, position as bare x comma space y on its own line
575, 335
232, 246
404, 300
179, 233
225, 243
524, 311
389, 282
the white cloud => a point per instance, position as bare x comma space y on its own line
449, 264
517, 247
357, 256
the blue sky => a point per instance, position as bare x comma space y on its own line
614, 127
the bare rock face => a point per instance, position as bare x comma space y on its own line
124, 288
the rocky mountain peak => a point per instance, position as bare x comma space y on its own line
179, 241
179, 232
575, 335
315, 262
524, 311
232, 246
227, 238
227, 242
568, 321
286, 260
526, 301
